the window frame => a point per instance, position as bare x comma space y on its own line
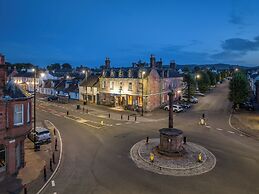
20, 112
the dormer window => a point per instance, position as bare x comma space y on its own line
130, 73
120, 73
112, 73
104, 73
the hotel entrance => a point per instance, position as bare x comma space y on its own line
120, 101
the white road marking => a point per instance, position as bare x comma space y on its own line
208, 126
55, 193
231, 132
137, 122
219, 129
241, 135
118, 124
53, 183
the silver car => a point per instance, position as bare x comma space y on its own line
41, 135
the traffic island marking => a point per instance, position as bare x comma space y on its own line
185, 165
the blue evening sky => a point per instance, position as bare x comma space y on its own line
86, 31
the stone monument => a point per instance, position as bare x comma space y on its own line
171, 139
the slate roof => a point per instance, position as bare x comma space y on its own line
61, 85
253, 76
72, 88
91, 81
129, 72
24, 74
13, 91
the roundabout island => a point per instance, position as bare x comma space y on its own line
171, 154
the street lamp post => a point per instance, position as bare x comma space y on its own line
196, 80
142, 111
34, 108
86, 96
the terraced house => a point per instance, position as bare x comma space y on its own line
142, 84
15, 123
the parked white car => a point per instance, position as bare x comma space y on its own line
197, 93
176, 108
42, 135
192, 99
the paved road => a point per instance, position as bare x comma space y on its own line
96, 158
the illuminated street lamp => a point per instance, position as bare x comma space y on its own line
142, 76
42, 75
196, 78
67, 77
236, 69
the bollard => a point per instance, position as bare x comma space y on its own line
25, 189
135, 117
67, 113
121, 117
147, 140
87, 111
54, 131
199, 157
50, 165
109, 115
56, 144
128, 117
203, 115
45, 173
184, 139
53, 158
102, 123
152, 157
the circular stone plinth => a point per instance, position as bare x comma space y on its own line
185, 165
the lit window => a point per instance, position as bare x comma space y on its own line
104, 84
18, 114
28, 113
130, 100
130, 86
140, 101
2, 157
121, 84
112, 85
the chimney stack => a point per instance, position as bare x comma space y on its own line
173, 64
107, 63
152, 61
3, 72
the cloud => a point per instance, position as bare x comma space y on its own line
236, 19
235, 49
239, 44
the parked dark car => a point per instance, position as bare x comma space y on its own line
185, 105
52, 98
247, 105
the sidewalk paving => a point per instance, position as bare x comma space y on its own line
247, 122
32, 174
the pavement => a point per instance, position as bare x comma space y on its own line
31, 176
247, 122
96, 158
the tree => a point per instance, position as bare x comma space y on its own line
239, 88
203, 81
53, 67
212, 77
186, 69
189, 91
66, 66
